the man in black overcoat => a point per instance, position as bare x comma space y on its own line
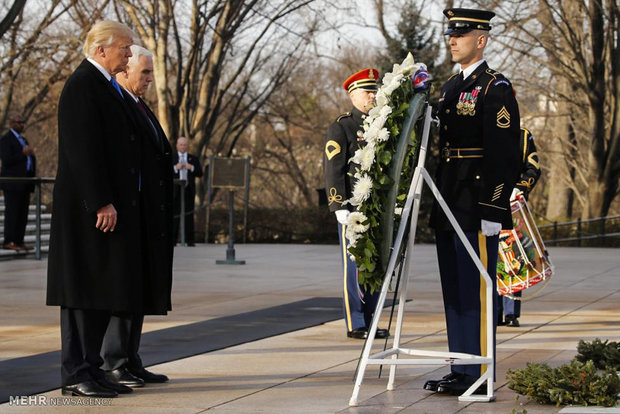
97, 256
18, 160
186, 166
122, 362
479, 140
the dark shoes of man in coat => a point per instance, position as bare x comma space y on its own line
362, 333
453, 384
148, 376
88, 389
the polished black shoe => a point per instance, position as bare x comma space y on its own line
88, 389
359, 333
459, 386
119, 388
382, 333
431, 385
512, 320
501, 322
124, 377
148, 376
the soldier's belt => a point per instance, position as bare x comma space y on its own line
447, 153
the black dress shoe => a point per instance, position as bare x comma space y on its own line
148, 376
124, 377
512, 320
459, 386
359, 333
382, 333
431, 385
88, 389
501, 322
119, 388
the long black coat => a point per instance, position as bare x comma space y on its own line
480, 113
14, 163
156, 195
101, 145
342, 140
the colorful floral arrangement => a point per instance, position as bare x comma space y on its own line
381, 127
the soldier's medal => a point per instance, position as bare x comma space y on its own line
473, 98
461, 104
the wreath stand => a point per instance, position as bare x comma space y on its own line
391, 356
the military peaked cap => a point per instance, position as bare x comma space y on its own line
365, 79
461, 21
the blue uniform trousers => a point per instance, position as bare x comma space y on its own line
358, 304
507, 306
464, 293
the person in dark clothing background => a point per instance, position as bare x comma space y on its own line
18, 160
187, 167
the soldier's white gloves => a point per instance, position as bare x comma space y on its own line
490, 228
515, 191
342, 216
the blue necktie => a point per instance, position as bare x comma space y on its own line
115, 84
22, 141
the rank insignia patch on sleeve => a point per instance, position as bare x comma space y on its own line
332, 148
503, 118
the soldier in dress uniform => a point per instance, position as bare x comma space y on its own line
479, 140
343, 138
528, 177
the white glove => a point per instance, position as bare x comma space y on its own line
515, 191
342, 216
490, 228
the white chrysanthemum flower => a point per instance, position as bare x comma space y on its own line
407, 64
383, 135
385, 111
355, 222
352, 237
365, 157
376, 111
361, 189
381, 98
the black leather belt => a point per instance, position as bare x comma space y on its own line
447, 153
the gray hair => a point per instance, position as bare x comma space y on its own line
136, 52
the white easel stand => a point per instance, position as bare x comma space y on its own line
390, 356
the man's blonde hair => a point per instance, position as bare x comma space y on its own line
104, 33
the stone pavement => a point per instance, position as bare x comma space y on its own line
311, 370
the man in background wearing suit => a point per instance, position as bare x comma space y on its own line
18, 160
122, 362
186, 166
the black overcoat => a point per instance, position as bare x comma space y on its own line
479, 114
157, 176
343, 138
100, 149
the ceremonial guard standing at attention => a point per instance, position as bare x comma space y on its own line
479, 140
529, 173
343, 138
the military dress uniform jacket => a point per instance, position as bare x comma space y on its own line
479, 148
344, 137
528, 163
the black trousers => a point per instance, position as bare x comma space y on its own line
81, 332
464, 293
189, 215
15, 215
122, 341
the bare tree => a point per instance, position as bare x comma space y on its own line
11, 15
569, 54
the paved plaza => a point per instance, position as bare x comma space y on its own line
268, 337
